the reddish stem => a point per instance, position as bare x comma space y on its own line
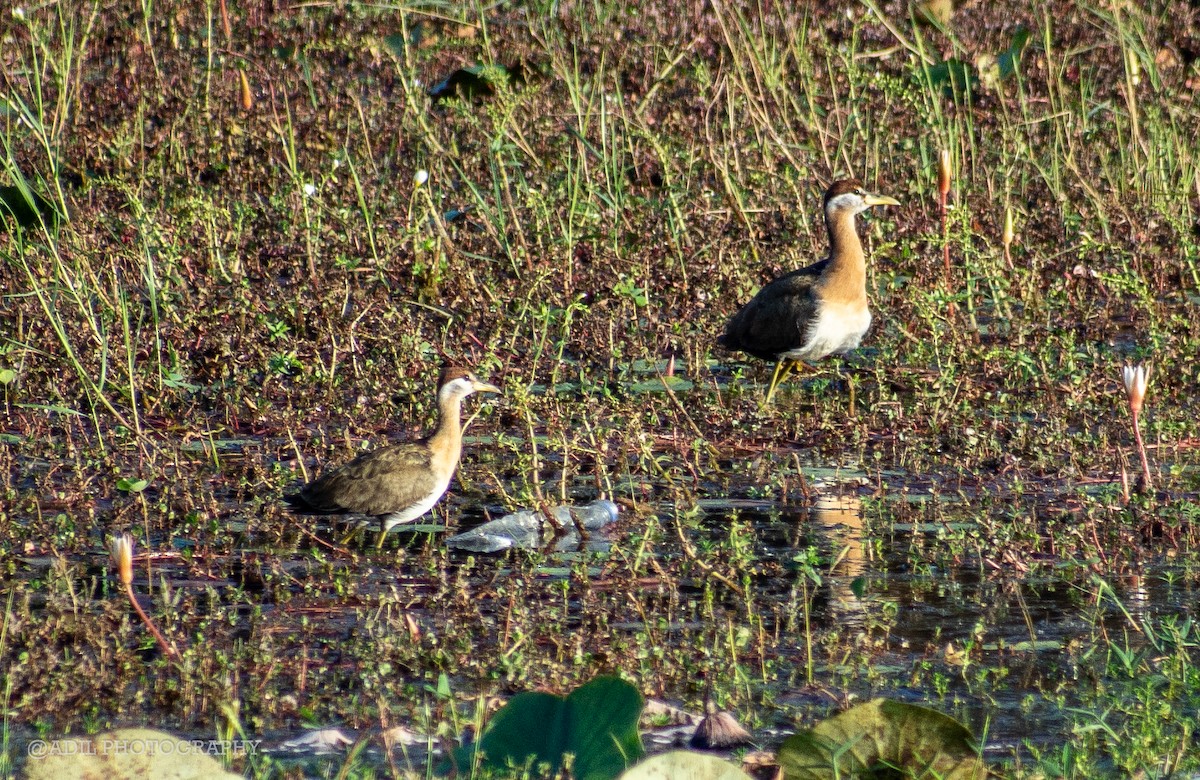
167, 647
945, 235
1137, 435
946, 247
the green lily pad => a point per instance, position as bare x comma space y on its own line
676, 384
1026, 646
883, 738
596, 723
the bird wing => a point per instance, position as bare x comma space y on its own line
378, 482
776, 319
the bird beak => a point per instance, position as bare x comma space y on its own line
880, 200
484, 387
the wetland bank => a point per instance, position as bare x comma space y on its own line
252, 285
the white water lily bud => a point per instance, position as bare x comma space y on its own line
121, 550
1136, 379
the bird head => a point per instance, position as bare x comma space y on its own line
459, 383
849, 195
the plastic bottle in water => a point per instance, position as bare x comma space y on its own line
526, 528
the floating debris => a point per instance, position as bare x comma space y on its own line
719, 731
525, 529
319, 742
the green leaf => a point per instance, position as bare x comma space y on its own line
878, 738
1008, 60
957, 78
395, 44
684, 765
858, 586
597, 724
55, 408
443, 687
175, 380
131, 485
7, 375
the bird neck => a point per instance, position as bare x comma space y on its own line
847, 271
447, 438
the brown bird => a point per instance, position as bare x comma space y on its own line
398, 483
818, 310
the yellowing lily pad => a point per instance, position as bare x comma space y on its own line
883, 738
684, 765
124, 754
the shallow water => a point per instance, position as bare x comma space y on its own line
908, 604
1027, 634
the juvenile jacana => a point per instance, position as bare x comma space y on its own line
400, 482
815, 311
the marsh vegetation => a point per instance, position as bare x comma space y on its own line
264, 227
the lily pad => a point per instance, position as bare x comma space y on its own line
677, 384
883, 738
596, 723
1026, 646
684, 765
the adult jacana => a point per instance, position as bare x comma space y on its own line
818, 310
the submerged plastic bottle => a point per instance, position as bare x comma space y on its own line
525, 528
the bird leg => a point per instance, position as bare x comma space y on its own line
357, 527
782, 369
846, 371
350, 535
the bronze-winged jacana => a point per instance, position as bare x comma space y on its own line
400, 482
815, 311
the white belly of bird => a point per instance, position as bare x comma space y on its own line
837, 329
415, 511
